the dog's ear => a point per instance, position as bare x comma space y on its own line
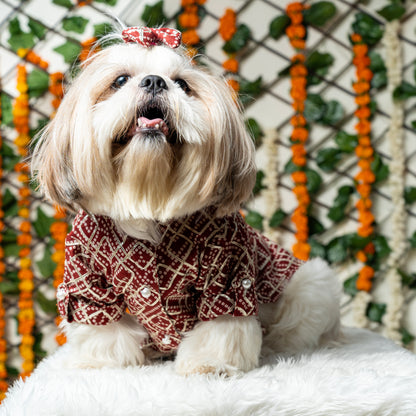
232, 172
67, 161
51, 161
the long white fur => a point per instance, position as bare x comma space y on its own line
145, 182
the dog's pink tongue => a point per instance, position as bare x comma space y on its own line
150, 123
155, 123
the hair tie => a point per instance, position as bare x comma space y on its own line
147, 36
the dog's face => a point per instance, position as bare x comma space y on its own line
144, 134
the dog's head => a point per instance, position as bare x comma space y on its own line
143, 133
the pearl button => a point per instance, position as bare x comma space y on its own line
246, 283
60, 293
146, 292
166, 340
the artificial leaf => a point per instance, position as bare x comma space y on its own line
107, 2
314, 226
278, 26
318, 66
381, 246
42, 224
153, 15
9, 158
40, 353
317, 60
9, 288
375, 311
290, 167
327, 159
239, 40
350, 285
102, 29
404, 91
319, 13
19, 39
379, 70
23, 40
317, 249
408, 280
412, 240
9, 236
314, 181
258, 186
14, 27
379, 80
333, 113
46, 266
380, 169
392, 11
37, 28
256, 132
337, 250
315, 107
355, 242
277, 218
69, 50
10, 206
75, 24
255, 220
47, 305
250, 89
346, 142
63, 3
370, 30
11, 250
6, 110
407, 337
38, 83
41, 123
414, 124
410, 194
337, 211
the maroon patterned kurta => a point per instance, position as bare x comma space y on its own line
204, 267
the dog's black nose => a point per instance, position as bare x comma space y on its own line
153, 84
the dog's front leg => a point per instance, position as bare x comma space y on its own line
117, 344
226, 345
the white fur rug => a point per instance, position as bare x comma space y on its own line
367, 376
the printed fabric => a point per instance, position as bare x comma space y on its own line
204, 267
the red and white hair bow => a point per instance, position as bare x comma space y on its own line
148, 36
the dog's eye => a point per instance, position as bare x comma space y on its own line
183, 84
120, 81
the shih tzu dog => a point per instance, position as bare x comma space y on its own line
152, 153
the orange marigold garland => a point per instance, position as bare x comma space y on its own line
227, 29
189, 21
298, 72
26, 314
3, 343
30, 56
59, 229
365, 154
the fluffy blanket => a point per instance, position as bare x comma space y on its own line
367, 375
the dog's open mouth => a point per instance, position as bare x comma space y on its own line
151, 122
152, 118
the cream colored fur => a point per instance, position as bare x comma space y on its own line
93, 156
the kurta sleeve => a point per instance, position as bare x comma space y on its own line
86, 294
228, 270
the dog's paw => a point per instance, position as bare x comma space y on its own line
187, 369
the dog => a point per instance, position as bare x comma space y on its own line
151, 152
